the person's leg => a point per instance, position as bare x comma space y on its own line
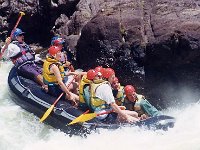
33, 72
71, 84
37, 73
39, 80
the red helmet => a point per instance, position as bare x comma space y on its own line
108, 72
99, 69
129, 89
54, 50
91, 74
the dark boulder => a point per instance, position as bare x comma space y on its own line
172, 54
101, 43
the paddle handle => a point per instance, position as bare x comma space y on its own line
13, 30
20, 16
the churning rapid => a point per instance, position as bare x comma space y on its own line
21, 130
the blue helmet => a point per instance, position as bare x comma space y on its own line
18, 32
57, 41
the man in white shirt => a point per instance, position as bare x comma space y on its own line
104, 92
23, 57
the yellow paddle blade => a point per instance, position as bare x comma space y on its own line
83, 118
47, 113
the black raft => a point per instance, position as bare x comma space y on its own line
32, 98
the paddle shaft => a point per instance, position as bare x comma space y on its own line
49, 110
85, 117
87, 111
13, 30
58, 99
21, 14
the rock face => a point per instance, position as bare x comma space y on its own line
102, 43
115, 38
152, 44
172, 51
40, 20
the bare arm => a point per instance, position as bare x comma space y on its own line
54, 69
123, 113
71, 73
76, 73
7, 42
117, 109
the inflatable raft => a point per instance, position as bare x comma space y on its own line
32, 98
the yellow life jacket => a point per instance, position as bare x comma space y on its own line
119, 98
95, 102
137, 106
84, 81
48, 77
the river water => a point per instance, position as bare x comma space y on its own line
21, 130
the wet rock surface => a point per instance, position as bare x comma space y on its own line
172, 53
152, 44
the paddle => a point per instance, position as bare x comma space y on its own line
47, 113
85, 117
76, 120
5, 47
